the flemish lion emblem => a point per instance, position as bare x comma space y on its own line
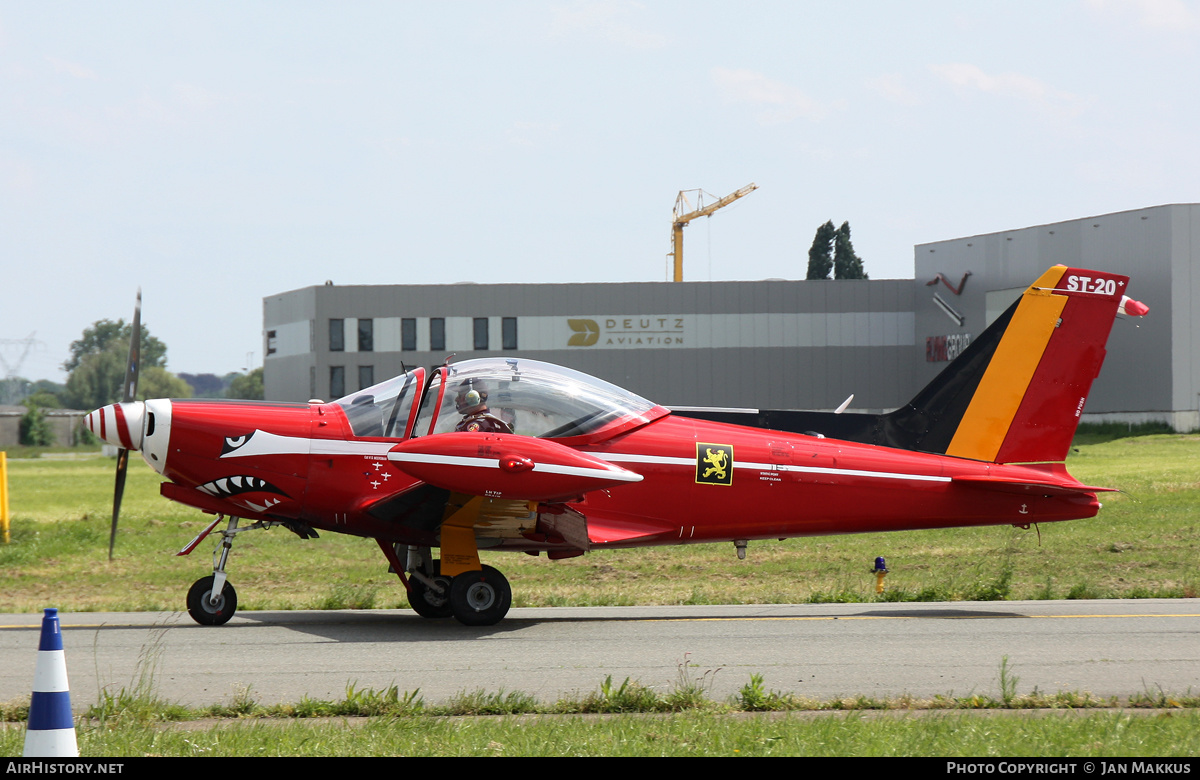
718, 461
714, 464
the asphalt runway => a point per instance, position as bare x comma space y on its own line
821, 651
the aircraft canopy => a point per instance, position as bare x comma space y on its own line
535, 398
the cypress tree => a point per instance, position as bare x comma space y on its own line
820, 256
846, 264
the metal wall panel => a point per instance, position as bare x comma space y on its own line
1145, 357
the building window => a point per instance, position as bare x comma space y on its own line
408, 334
337, 335
366, 377
481, 333
337, 381
508, 332
366, 335
437, 334
270, 342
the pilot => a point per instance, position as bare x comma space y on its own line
471, 402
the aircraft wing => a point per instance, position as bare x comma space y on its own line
506, 466
505, 489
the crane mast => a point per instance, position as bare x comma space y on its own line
681, 218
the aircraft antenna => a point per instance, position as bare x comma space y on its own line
683, 214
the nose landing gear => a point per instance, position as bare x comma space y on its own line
206, 610
211, 601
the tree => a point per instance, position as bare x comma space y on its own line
43, 399
247, 386
96, 368
207, 385
832, 251
96, 379
34, 428
158, 382
820, 258
846, 264
106, 334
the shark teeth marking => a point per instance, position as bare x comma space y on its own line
235, 485
260, 508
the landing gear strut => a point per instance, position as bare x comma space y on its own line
211, 601
428, 591
473, 598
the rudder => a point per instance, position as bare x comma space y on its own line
1029, 399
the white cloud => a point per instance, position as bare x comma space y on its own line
72, 69
1171, 15
780, 102
606, 19
891, 87
1011, 85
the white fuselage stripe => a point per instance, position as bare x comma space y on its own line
493, 463
624, 457
264, 443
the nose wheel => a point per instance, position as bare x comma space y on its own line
211, 601
207, 610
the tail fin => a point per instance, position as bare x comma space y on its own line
1016, 393
1013, 396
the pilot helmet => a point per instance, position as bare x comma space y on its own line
471, 396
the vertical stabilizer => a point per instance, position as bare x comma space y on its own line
1051, 345
1014, 395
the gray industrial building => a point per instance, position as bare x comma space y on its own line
1152, 372
773, 344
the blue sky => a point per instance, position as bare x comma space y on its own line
215, 153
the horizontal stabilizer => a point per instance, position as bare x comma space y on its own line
1050, 479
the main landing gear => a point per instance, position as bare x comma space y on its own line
473, 598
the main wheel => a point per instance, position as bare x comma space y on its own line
480, 598
427, 603
203, 611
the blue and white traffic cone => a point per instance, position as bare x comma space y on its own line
51, 731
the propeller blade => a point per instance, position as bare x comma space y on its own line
128, 393
133, 367
118, 494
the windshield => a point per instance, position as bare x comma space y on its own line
532, 398
383, 409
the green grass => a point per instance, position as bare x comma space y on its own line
689, 734
681, 721
1144, 544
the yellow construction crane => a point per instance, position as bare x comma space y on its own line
701, 210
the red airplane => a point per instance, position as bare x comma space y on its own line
520, 455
